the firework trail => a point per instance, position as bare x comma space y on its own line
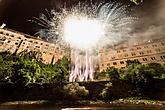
87, 28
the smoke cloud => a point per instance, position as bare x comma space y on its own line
151, 24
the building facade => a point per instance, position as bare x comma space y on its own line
149, 52
16, 42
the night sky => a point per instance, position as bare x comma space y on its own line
17, 13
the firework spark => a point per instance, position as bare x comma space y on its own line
87, 28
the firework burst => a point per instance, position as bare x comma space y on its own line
87, 28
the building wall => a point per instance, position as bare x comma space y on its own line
16, 42
145, 53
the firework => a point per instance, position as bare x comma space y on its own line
87, 28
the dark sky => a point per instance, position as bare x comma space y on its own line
16, 13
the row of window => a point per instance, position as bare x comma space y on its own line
134, 54
144, 59
138, 48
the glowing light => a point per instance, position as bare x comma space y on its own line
82, 32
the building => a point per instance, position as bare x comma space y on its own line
153, 51
16, 42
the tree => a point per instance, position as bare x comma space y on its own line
112, 73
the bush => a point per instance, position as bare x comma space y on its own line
74, 91
106, 94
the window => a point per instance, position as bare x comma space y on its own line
125, 55
118, 51
162, 57
138, 48
145, 46
131, 49
102, 64
19, 37
136, 60
113, 58
149, 51
7, 34
36, 42
114, 63
141, 53
31, 41
16, 43
154, 45
162, 43
157, 50
1, 32
124, 50
133, 54
144, 59
153, 58
108, 64
12, 35
121, 62
8, 41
